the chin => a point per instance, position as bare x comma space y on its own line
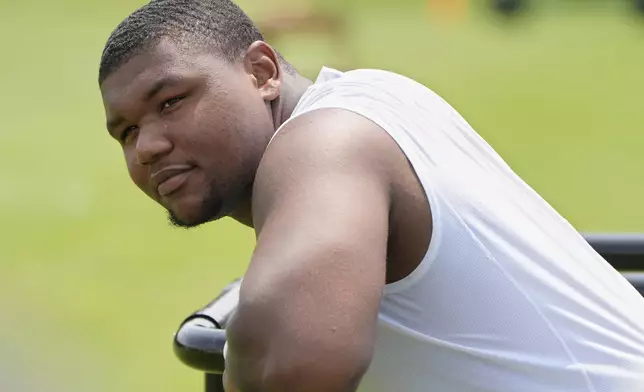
195, 214
177, 220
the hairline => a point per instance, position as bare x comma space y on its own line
149, 46
198, 47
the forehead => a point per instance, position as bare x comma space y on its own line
166, 60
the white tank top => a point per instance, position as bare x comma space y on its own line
509, 297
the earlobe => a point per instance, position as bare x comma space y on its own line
270, 90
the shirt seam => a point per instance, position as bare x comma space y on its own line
573, 359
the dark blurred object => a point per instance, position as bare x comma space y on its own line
639, 6
510, 7
305, 19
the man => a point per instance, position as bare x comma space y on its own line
396, 251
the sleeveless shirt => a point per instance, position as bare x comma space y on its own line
509, 297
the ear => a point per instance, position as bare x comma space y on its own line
262, 64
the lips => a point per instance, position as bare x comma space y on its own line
169, 179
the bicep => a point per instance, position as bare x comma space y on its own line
324, 243
321, 256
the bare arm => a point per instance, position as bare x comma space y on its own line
310, 298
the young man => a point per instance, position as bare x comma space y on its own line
396, 251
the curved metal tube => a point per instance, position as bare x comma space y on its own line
199, 342
199, 345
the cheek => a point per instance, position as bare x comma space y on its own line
237, 108
225, 134
210, 133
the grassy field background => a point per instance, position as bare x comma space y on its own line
93, 281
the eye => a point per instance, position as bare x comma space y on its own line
170, 102
125, 135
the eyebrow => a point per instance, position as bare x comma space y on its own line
157, 87
160, 85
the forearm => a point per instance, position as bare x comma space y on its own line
295, 379
281, 361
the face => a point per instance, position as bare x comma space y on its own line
193, 127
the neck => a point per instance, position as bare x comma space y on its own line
292, 89
243, 214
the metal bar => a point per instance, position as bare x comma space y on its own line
627, 243
636, 279
625, 251
214, 383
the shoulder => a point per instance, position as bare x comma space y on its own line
330, 137
373, 80
386, 98
368, 81
324, 147
330, 130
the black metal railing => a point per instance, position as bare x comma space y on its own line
624, 251
200, 340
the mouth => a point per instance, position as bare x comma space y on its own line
170, 179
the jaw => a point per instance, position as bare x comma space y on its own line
195, 209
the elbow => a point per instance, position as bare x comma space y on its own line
341, 372
276, 356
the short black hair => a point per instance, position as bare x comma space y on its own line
219, 24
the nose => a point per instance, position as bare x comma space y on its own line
151, 144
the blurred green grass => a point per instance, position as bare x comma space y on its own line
93, 281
